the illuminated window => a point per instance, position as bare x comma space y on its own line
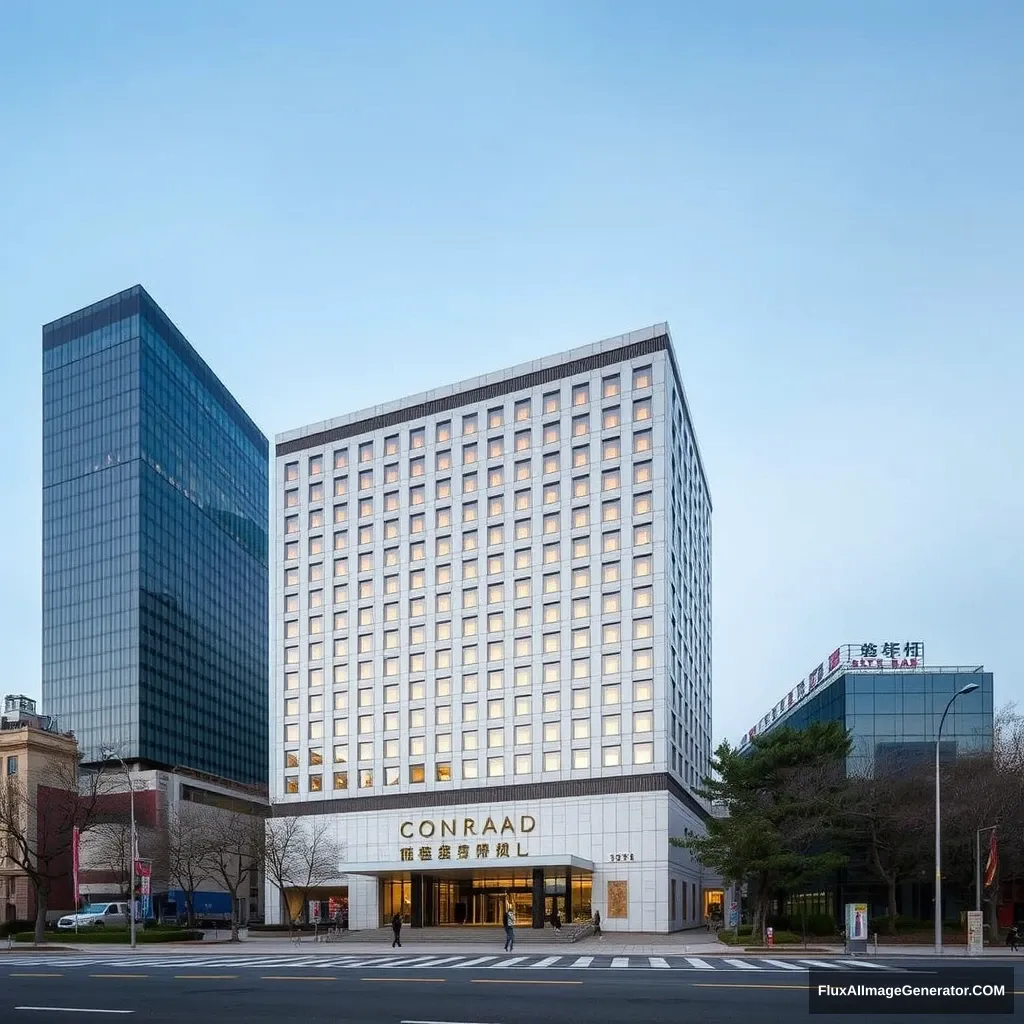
580, 426
522, 410
642, 378
552, 402
643, 753
469, 454
610, 418
552, 433
581, 457
522, 440
551, 463
642, 442
552, 761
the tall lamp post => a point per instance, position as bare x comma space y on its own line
969, 688
109, 755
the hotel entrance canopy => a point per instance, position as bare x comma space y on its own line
468, 868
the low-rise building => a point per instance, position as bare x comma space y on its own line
38, 762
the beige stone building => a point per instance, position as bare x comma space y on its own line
35, 761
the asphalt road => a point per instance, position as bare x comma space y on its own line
310, 995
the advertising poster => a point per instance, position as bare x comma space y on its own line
857, 927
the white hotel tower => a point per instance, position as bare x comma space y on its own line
492, 645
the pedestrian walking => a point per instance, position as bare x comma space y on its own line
556, 921
1011, 938
396, 927
597, 923
510, 930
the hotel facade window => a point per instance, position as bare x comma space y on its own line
517, 629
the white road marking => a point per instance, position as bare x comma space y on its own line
743, 966
620, 961
658, 961
582, 961
70, 1009
782, 965
478, 960
547, 961
509, 963
822, 963
695, 961
866, 963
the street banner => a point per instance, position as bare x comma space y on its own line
992, 864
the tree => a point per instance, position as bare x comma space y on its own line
187, 851
890, 815
301, 855
980, 791
38, 821
233, 843
782, 796
107, 848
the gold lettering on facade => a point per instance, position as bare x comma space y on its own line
507, 826
468, 827
405, 830
427, 829
520, 852
489, 827
447, 827
527, 824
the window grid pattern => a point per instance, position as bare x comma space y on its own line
517, 627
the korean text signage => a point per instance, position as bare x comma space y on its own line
501, 836
885, 654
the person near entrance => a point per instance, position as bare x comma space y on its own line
556, 920
510, 930
396, 927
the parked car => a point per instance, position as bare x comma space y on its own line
97, 915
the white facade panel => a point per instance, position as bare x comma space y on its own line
504, 582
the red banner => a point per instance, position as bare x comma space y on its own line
992, 864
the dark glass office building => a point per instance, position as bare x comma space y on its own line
155, 580
894, 716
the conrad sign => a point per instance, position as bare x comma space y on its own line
501, 837
463, 828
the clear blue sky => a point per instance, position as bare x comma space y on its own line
343, 203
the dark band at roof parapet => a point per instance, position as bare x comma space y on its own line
487, 392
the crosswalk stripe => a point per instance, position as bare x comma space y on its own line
412, 961
582, 961
478, 960
547, 961
436, 962
866, 963
658, 961
695, 961
783, 965
510, 961
742, 965
620, 961
822, 963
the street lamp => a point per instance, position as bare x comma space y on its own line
969, 688
109, 755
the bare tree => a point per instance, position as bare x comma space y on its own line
302, 855
187, 851
107, 848
38, 823
234, 844
281, 842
